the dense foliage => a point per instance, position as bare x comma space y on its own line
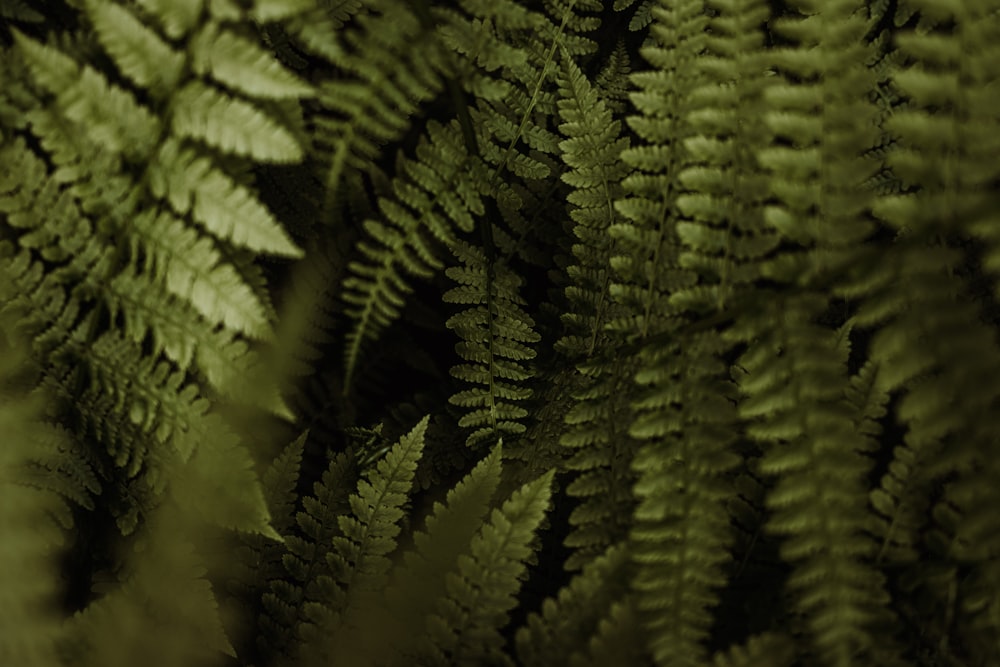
487, 332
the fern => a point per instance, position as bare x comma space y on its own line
387, 627
437, 190
464, 627
495, 336
548, 639
359, 562
29, 625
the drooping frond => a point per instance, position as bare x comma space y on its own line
681, 536
496, 334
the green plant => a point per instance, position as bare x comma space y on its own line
372, 332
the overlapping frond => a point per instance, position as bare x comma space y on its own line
496, 335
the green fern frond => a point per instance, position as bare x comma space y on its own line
437, 191
190, 267
219, 482
359, 562
771, 649
228, 210
241, 65
395, 64
177, 18
29, 624
592, 152
681, 533
795, 382
601, 451
388, 627
496, 333
232, 125
307, 577
465, 627
137, 50
618, 641
163, 611
645, 265
548, 639
60, 465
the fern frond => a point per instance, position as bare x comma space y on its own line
601, 451
795, 383
163, 611
681, 534
177, 18
307, 574
225, 208
772, 649
189, 266
359, 560
137, 50
618, 640
231, 125
465, 627
592, 152
219, 482
496, 333
29, 624
241, 65
394, 64
388, 627
436, 192
548, 639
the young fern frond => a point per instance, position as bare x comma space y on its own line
496, 334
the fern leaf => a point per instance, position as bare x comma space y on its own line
549, 639
681, 532
164, 610
219, 482
592, 152
618, 640
226, 209
231, 125
443, 172
495, 338
772, 649
387, 627
813, 432
307, 577
465, 627
242, 65
189, 266
29, 626
178, 18
359, 561
139, 52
